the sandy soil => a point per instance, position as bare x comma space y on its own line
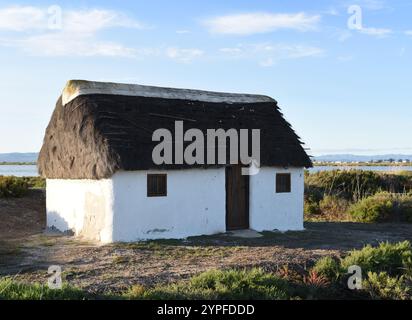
26, 252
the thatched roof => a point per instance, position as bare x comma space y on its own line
99, 128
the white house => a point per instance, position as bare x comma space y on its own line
103, 184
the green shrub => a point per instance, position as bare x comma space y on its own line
356, 195
136, 292
327, 267
312, 197
393, 258
312, 208
404, 207
35, 182
313, 193
382, 286
217, 284
405, 173
356, 184
12, 290
383, 206
330, 208
376, 208
348, 184
333, 204
12, 187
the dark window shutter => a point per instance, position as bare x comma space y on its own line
283, 183
156, 185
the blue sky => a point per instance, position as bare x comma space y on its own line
344, 89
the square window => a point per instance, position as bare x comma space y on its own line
156, 185
283, 182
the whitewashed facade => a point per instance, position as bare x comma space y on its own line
118, 209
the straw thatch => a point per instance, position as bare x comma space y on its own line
95, 135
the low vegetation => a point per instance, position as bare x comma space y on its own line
392, 258
12, 290
356, 195
16, 187
380, 163
35, 182
328, 267
11, 187
383, 207
218, 284
386, 270
382, 286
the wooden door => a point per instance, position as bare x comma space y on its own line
237, 199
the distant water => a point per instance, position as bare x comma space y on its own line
365, 168
31, 170
19, 171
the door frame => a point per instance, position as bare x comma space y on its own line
246, 195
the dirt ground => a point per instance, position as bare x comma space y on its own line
22, 216
26, 252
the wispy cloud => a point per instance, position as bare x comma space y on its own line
269, 54
95, 20
344, 34
367, 4
373, 4
69, 45
29, 18
183, 55
22, 18
182, 31
252, 23
408, 32
331, 11
76, 36
376, 32
232, 51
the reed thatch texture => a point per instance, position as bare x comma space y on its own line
94, 135
72, 146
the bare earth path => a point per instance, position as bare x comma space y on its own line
27, 253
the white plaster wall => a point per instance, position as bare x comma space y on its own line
269, 210
83, 206
118, 209
195, 205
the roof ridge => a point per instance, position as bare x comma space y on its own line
75, 88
